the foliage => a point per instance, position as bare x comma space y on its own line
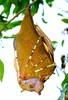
54, 42
1, 70
49, 2
19, 5
13, 24
62, 43
0, 35
65, 20
8, 37
44, 20
65, 81
64, 87
60, 14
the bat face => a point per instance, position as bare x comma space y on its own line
34, 60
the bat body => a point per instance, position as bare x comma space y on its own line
34, 58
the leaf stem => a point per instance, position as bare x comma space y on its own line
5, 24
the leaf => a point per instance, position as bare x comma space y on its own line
1, 70
16, 9
54, 42
0, 35
62, 97
8, 37
34, 53
44, 20
62, 43
2, 2
65, 88
43, 12
24, 3
65, 80
2, 18
49, 2
60, 14
13, 2
12, 25
1, 26
21, 4
65, 20
64, 92
35, 6
7, 7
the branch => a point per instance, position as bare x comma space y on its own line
5, 24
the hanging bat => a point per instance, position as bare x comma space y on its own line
34, 58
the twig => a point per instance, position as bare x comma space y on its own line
59, 88
61, 70
5, 24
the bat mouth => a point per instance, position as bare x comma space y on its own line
33, 84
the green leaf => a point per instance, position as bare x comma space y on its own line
43, 12
44, 20
59, 14
66, 88
16, 9
49, 2
62, 97
1, 26
2, 18
13, 2
8, 37
12, 25
35, 6
7, 6
21, 4
41, 1
64, 91
65, 80
1, 70
54, 42
65, 20
2, 2
0, 35
35, 9
62, 43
